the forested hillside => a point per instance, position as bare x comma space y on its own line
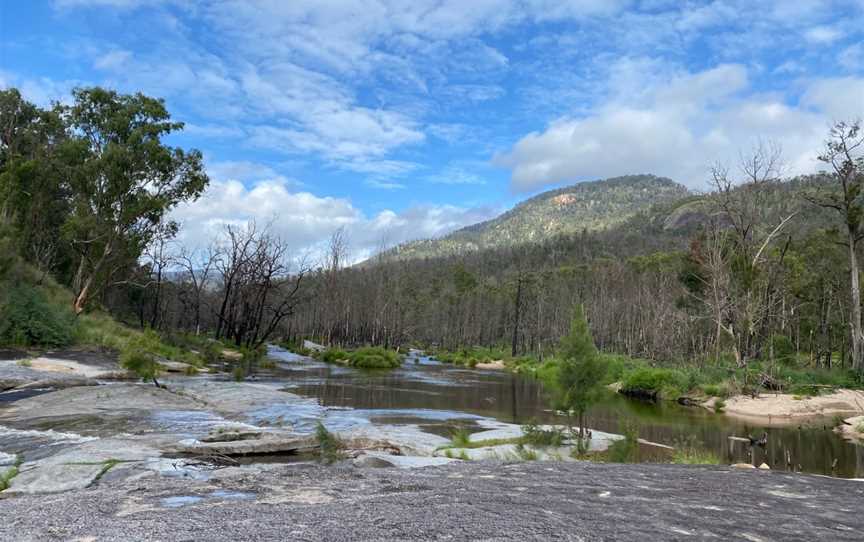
589, 206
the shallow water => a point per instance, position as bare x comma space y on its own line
438, 397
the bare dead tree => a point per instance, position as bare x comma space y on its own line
844, 153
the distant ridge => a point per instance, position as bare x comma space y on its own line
588, 206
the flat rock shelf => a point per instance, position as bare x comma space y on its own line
460, 501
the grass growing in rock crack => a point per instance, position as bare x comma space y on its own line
331, 449
460, 438
525, 454
107, 465
11, 472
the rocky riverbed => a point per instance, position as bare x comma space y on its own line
87, 455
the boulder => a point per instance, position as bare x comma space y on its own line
743, 466
313, 346
764, 466
366, 461
268, 443
176, 366
231, 434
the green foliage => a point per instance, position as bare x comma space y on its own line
525, 453
575, 380
691, 452
460, 438
100, 330
715, 390
330, 448
138, 357
6, 477
625, 450
374, 357
537, 436
653, 382
783, 349
332, 355
29, 319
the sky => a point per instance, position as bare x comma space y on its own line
408, 119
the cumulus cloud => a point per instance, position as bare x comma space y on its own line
305, 221
679, 127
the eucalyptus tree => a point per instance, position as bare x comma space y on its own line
124, 182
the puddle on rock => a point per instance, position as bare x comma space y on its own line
179, 501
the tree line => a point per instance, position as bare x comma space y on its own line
758, 267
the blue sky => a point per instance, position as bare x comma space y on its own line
405, 119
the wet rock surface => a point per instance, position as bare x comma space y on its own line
463, 501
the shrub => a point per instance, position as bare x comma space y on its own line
374, 357
138, 357
537, 436
30, 319
625, 450
654, 383
332, 355
460, 438
330, 448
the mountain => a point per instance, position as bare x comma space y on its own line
588, 206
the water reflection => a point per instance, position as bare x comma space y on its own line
422, 386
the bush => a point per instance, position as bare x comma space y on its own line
330, 448
625, 450
30, 319
784, 349
332, 355
374, 357
654, 383
537, 436
138, 357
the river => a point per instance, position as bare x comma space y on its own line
439, 397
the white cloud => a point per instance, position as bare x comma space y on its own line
42, 91
306, 221
679, 128
113, 60
823, 35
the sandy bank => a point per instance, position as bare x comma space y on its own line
493, 365
784, 409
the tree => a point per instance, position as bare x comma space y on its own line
125, 182
33, 195
258, 289
844, 152
578, 378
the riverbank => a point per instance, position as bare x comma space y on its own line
780, 409
463, 501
